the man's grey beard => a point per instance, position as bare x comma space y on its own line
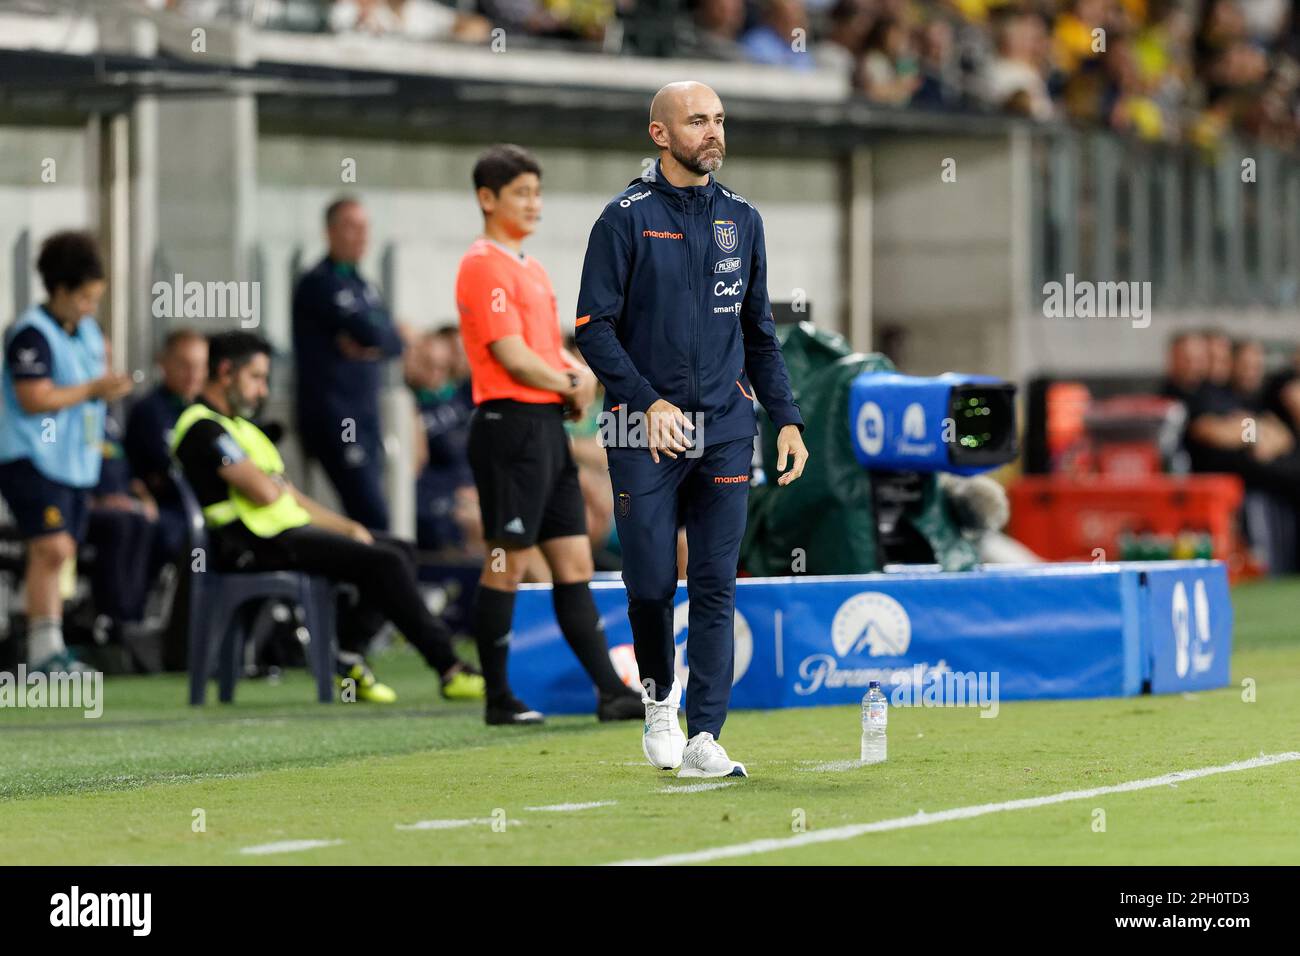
697, 165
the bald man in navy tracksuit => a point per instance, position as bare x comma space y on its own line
674, 319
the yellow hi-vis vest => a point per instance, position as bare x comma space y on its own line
265, 521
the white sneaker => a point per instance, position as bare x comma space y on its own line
704, 757
663, 741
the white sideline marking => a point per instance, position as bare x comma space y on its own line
833, 766
450, 824
921, 818
568, 807
286, 846
697, 787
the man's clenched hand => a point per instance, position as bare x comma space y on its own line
666, 429
790, 442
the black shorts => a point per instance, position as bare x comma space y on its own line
527, 479
41, 505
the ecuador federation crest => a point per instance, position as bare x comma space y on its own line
726, 235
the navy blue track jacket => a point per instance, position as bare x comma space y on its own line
331, 298
674, 305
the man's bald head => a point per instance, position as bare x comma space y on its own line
686, 123
678, 97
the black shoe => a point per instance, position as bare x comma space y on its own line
511, 710
624, 705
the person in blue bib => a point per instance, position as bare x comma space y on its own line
52, 398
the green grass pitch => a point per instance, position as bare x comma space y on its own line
276, 767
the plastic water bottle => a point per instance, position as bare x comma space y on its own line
875, 718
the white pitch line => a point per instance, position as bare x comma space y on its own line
833, 766
921, 818
697, 787
450, 824
286, 846
569, 807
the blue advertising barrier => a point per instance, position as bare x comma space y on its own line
1005, 633
1188, 629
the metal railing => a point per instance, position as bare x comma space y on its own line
1206, 228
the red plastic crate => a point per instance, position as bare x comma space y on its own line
1064, 519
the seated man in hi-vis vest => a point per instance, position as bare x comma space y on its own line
258, 521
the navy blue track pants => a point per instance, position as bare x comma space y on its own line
356, 470
708, 495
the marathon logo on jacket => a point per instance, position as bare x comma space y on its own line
726, 235
77, 909
660, 234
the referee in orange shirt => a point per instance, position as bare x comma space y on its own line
524, 383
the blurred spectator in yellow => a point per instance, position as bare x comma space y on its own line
562, 19
1126, 105
1080, 34
582, 19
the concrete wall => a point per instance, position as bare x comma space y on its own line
422, 208
1107, 345
942, 262
32, 208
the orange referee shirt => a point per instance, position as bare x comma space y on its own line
500, 293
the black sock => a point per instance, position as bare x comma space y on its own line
583, 629
494, 612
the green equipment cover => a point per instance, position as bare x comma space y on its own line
825, 522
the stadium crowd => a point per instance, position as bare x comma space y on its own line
1158, 70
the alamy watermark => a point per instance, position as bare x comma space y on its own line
179, 299
620, 428
133, 911
944, 688
79, 690
1083, 299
